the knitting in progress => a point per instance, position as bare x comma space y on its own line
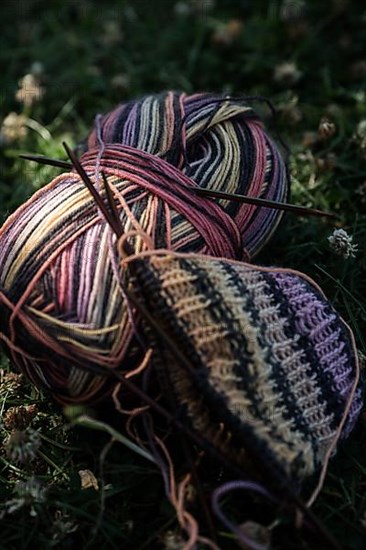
117, 271
63, 305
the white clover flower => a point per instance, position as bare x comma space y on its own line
342, 244
27, 494
287, 74
30, 91
13, 128
22, 446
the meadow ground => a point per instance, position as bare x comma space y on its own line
64, 61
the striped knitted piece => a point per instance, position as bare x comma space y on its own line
219, 143
273, 363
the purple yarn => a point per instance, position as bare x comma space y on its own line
237, 486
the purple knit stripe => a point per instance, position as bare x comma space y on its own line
314, 321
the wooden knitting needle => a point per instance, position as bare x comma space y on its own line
293, 208
113, 220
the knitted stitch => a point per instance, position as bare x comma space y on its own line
273, 363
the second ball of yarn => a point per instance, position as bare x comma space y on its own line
218, 142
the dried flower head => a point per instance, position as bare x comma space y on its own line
19, 417
326, 129
88, 480
13, 128
172, 541
225, 35
259, 534
10, 383
342, 244
30, 90
22, 446
287, 74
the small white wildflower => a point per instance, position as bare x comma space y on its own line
22, 446
13, 128
326, 129
30, 91
342, 244
287, 74
27, 494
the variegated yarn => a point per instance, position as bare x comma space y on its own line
219, 143
63, 312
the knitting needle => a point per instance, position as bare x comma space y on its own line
293, 208
115, 223
300, 210
46, 160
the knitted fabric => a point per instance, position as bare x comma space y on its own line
273, 363
218, 142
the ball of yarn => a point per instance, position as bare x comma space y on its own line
273, 365
217, 142
63, 312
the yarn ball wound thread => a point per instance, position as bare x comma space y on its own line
274, 367
218, 142
63, 311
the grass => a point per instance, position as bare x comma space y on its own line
90, 56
